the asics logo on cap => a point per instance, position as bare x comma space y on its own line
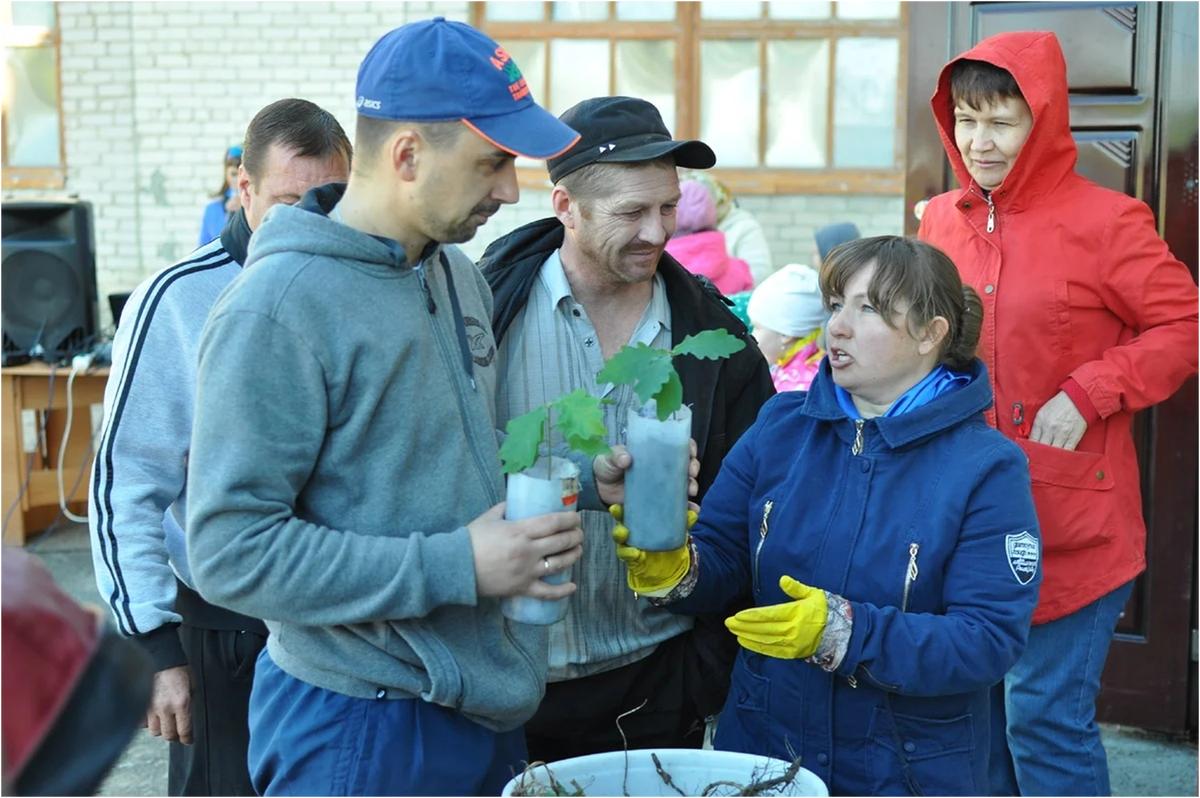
374, 105
501, 60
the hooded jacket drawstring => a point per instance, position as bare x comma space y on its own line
460, 326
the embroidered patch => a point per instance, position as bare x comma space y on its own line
1023, 555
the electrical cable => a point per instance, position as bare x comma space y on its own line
29, 463
41, 538
62, 452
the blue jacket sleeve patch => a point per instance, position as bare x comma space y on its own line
1023, 552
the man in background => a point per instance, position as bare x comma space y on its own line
204, 655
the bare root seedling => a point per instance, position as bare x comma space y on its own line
531, 785
625, 745
665, 776
758, 785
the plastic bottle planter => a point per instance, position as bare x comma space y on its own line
657, 482
551, 485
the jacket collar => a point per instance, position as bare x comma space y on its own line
235, 238
1035, 60
946, 411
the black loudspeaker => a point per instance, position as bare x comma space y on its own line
48, 270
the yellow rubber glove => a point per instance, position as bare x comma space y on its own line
791, 630
651, 573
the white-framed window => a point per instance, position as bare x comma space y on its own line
792, 96
33, 152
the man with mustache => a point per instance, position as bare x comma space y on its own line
570, 291
346, 479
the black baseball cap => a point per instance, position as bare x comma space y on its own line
623, 130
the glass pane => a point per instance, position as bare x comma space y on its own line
515, 11
579, 12
29, 13
730, 9
568, 83
868, 9
813, 9
864, 95
730, 81
647, 70
31, 107
530, 57
797, 102
649, 11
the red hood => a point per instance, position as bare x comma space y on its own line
1035, 60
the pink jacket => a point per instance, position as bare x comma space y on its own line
705, 253
797, 372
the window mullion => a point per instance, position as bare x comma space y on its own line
764, 90
830, 102
687, 73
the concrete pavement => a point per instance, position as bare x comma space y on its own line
1139, 763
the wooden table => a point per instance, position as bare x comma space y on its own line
27, 405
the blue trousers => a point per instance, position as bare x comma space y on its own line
305, 740
1044, 735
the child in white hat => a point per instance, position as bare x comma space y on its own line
788, 319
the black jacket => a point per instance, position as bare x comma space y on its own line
724, 395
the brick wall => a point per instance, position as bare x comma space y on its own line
154, 92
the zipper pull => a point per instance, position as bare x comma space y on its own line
762, 538
857, 448
911, 575
991, 216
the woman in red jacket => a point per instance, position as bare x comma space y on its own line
1089, 319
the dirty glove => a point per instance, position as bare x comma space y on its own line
791, 630
651, 573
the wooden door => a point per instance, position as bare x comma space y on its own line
1132, 69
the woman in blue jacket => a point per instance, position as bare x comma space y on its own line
218, 212
886, 533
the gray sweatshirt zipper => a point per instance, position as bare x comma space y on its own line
444, 348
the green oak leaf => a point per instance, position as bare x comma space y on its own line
645, 368
581, 421
710, 345
525, 433
670, 397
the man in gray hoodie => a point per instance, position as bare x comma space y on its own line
344, 475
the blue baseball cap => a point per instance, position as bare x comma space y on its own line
440, 71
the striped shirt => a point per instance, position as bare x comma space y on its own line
552, 349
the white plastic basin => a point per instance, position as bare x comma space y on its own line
691, 770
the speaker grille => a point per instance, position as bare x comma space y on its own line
48, 288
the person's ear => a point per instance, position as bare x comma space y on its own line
933, 335
404, 150
243, 187
565, 208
